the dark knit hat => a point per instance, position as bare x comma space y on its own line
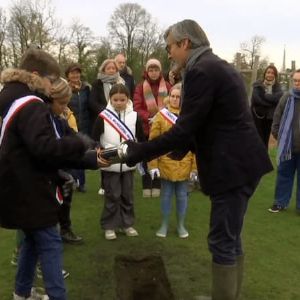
37, 60
72, 67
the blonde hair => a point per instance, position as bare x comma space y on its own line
176, 86
60, 89
105, 63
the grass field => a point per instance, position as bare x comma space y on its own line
271, 242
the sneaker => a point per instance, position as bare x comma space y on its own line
15, 258
38, 293
68, 236
155, 192
146, 193
65, 273
130, 231
110, 234
276, 208
101, 192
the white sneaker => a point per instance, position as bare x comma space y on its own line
155, 192
36, 294
146, 193
110, 234
101, 192
130, 231
16, 297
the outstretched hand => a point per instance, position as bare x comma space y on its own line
134, 153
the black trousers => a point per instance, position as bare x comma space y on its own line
263, 126
147, 182
64, 216
118, 210
226, 221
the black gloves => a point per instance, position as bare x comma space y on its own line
67, 183
134, 153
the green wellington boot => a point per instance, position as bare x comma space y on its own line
224, 282
240, 275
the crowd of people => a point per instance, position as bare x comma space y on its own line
195, 124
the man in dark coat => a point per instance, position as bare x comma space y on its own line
125, 73
216, 123
30, 155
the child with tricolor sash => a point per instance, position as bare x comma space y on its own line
174, 174
115, 124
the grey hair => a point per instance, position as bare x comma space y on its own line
188, 29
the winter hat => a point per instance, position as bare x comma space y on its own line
37, 60
153, 62
60, 89
72, 67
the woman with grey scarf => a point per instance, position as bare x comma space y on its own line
108, 75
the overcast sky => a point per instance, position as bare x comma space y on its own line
226, 22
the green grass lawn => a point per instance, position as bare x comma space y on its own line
271, 242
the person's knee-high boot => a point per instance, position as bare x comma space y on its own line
224, 282
163, 230
240, 274
182, 232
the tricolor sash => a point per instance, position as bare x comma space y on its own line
16, 106
169, 116
112, 119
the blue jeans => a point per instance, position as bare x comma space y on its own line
285, 180
168, 188
44, 244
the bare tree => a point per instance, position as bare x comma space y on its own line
252, 48
3, 25
31, 22
62, 42
81, 39
132, 30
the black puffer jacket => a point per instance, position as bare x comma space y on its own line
262, 103
30, 155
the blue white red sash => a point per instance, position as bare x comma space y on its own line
112, 119
169, 116
16, 106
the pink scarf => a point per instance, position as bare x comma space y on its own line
152, 106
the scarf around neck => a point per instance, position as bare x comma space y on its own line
154, 105
108, 82
193, 57
285, 129
268, 85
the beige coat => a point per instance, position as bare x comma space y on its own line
170, 169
